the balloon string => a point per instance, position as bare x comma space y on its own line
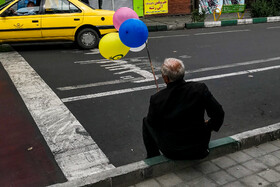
152, 66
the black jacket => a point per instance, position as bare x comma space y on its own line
176, 115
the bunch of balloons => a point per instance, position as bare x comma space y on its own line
132, 35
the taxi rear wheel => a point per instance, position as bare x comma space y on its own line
87, 38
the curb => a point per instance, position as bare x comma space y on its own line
139, 171
232, 22
154, 28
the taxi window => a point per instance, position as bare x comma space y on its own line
24, 8
59, 7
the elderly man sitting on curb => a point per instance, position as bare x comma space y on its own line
175, 124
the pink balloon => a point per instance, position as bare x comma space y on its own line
123, 14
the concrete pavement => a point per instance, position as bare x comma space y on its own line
256, 166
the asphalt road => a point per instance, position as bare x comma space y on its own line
240, 65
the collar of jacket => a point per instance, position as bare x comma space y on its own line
177, 82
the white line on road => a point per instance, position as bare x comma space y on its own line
222, 32
186, 35
66, 88
157, 37
159, 75
116, 92
104, 61
235, 65
109, 93
73, 148
278, 27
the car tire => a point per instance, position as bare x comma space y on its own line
87, 38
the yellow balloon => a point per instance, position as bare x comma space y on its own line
111, 47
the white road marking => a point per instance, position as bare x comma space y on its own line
73, 148
187, 35
222, 32
93, 52
66, 88
278, 27
117, 65
123, 67
158, 37
132, 79
104, 61
235, 65
109, 93
185, 56
116, 92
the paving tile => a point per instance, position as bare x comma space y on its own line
224, 162
234, 184
255, 165
221, 177
270, 175
268, 147
148, 183
240, 156
239, 171
277, 168
276, 153
183, 184
269, 160
254, 181
188, 174
206, 167
254, 152
278, 184
276, 143
271, 185
201, 182
169, 179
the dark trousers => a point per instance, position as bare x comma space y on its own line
153, 147
150, 140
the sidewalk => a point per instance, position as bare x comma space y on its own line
256, 166
167, 23
179, 22
173, 20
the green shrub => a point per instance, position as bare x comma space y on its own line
276, 7
262, 8
197, 16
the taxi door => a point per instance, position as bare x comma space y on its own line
60, 18
17, 25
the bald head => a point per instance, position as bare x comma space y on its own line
173, 68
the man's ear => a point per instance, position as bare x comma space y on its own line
166, 79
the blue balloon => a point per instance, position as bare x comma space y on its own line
133, 33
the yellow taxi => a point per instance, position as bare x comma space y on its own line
48, 20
